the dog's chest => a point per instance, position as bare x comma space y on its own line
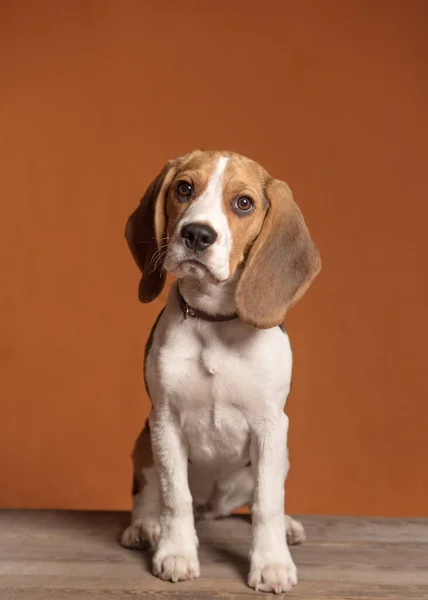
215, 382
204, 380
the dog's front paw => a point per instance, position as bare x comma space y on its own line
175, 567
272, 577
141, 533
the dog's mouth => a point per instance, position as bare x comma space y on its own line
195, 266
196, 269
182, 263
194, 261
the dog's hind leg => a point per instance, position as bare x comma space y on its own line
229, 493
236, 491
145, 525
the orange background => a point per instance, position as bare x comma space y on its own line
95, 96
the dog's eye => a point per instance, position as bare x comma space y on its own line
184, 190
244, 204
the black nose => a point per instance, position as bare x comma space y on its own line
197, 236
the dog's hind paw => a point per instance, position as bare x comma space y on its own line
295, 531
141, 533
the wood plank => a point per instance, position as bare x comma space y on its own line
75, 555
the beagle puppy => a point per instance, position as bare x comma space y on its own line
218, 360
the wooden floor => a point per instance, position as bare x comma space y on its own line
72, 555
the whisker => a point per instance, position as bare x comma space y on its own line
159, 260
160, 249
155, 267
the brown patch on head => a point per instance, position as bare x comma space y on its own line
243, 178
142, 457
281, 264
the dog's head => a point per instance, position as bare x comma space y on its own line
219, 215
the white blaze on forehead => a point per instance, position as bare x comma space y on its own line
208, 207
215, 184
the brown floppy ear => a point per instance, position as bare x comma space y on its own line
145, 233
281, 264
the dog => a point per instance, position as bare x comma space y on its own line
218, 361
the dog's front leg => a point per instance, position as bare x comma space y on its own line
272, 568
176, 557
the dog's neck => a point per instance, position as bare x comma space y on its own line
211, 298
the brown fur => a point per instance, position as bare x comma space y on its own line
282, 262
142, 457
243, 177
146, 232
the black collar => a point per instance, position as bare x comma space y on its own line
199, 314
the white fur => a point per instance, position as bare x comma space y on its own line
218, 393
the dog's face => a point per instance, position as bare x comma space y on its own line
215, 207
217, 215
